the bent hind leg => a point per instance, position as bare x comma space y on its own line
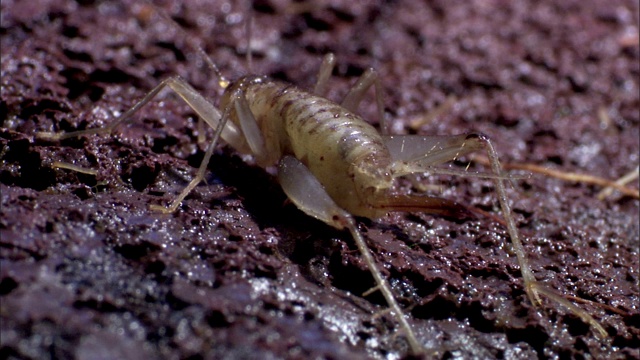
415, 154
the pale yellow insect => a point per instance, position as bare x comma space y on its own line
331, 163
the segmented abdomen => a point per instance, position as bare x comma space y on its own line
326, 137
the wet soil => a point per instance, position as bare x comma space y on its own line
88, 271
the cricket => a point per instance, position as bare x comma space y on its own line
332, 164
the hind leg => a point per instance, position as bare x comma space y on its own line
415, 154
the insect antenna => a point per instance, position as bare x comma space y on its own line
249, 32
223, 82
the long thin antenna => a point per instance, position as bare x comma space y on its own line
249, 33
222, 81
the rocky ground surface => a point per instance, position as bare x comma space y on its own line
89, 272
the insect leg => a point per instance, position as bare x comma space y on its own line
328, 63
359, 89
304, 190
197, 102
249, 127
207, 112
201, 169
412, 153
408, 158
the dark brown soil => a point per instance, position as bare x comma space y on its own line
89, 272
